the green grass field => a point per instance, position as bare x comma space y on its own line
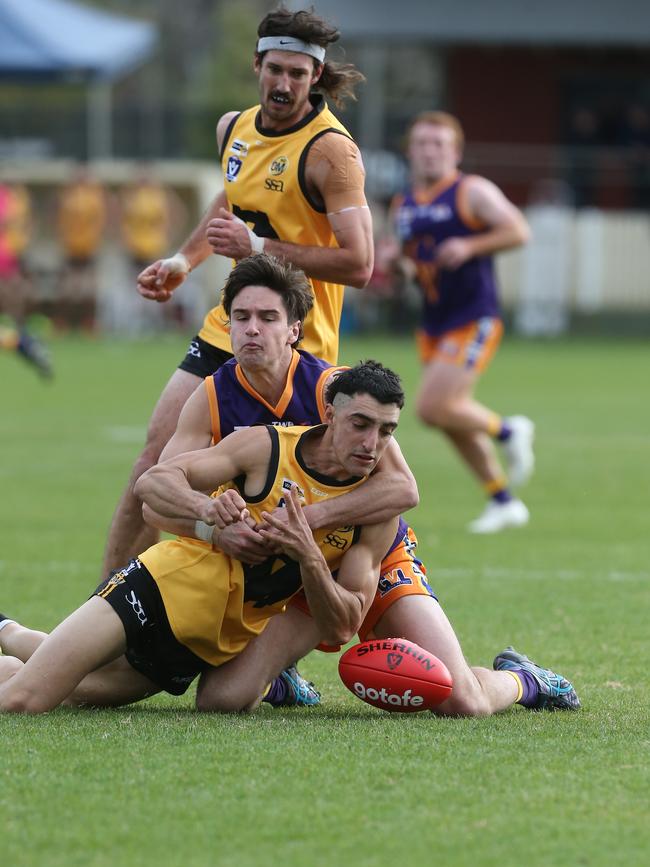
344, 784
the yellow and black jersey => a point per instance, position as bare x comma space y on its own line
264, 178
145, 221
216, 604
81, 220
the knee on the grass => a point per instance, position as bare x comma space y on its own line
466, 699
235, 699
15, 699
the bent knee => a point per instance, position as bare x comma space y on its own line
433, 412
22, 701
227, 700
466, 699
221, 704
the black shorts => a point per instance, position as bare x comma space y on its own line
152, 647
203, 359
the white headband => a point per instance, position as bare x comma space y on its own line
289, 43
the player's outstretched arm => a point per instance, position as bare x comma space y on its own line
389, 491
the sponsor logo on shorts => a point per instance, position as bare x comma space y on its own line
406, 699
194, 349
135, 603
390, 580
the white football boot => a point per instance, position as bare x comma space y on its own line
500, 516
518, 450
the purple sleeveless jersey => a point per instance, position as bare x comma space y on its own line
451, 298
236, 404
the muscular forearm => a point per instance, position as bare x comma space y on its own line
165, 491
175, 526
333, 264
367, 504
336, 611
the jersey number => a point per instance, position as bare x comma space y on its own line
257, 220
275, 579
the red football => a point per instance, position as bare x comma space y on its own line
395, 674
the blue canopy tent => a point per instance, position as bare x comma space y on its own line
59, 40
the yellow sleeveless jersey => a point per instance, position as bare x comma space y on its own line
216, 604
145, 222
81, 219
18, 216
265, 186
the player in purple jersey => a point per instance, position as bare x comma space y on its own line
262, 297
449, 225
270, 382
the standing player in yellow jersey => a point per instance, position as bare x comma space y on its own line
183, 606
294, 188
81, 218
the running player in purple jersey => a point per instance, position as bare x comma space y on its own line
449, 226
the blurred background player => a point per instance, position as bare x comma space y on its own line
15, 231
449, 226
81, 218
150, 216
316, 219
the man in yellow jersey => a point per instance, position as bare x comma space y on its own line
81, 218
294, 183
183, 605
150, 217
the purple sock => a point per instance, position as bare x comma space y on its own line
277, 692
529, 687
505, 433
502, 496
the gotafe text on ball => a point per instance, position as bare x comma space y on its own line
406, 699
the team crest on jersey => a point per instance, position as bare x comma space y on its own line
278, 165
232, 168
239, 147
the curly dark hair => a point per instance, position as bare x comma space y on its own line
368, 377
337, 80
290, 283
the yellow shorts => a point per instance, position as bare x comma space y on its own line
402, 574
471, 346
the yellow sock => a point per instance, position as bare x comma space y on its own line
494, 424
520, 688
495, 485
